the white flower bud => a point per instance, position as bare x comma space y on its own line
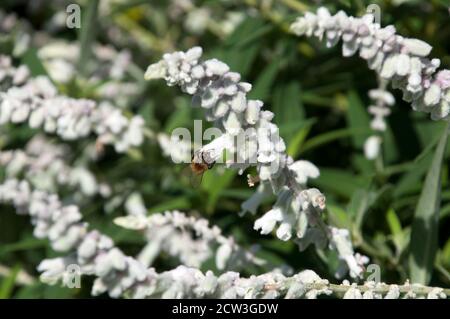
417, 47
389, 66
403, 64
432, 95
216, 67
372, 147
284, 231
267, 222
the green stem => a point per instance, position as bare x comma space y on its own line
381, 288
87, 34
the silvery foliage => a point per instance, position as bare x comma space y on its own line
120, 275
219, 91
63, 226
403, 61
382, 101
189, 238
45, 166
379, 290
35, 101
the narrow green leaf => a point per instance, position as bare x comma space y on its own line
328, 137
32, 61
243, 45
263, 85
176, 203
87, 33
393, 222
296, 143
24, 244
413, 178
365, 200
7, 285
338, 216
215, 184
287, 106
339, 182
424, 235
180, 117
357, 118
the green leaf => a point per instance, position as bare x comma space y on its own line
288, 107
328, 137
361, 201
215, 184
7, 285
357, 118
340, 182
263, 85
413, 178
32, 61
424, 235
297, 140
243, 45
365, 200
400, 237
248, 32
22, 245
393, 221
176, 203
339, 216
180, 117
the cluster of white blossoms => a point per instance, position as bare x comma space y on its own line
44, 165
403, 61
123, 276
37, 103
350, 263
10, 75
109, 78
379, 290
382, 101
190, 239
51, 219
253, 140
60, 59
198, 19
15, 32
116, 273
174, 147
62, 224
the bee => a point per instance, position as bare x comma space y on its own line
99, 147
200, 163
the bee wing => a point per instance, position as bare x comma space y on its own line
195, 179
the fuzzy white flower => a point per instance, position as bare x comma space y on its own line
372, 147
395, 58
